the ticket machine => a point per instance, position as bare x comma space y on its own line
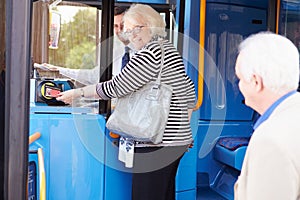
75, 147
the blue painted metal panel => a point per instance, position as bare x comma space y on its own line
187, 195
187, 171
73, 146
118, 178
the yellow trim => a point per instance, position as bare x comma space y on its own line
201, 53
277, 16
42, 174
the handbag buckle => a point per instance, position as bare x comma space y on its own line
153, 94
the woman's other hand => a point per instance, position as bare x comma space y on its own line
46, 67
51, 67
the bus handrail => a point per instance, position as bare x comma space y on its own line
34, 137
201, 54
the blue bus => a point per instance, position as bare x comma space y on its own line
59, 152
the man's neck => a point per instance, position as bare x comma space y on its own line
268, 99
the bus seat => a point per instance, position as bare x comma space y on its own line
231, 151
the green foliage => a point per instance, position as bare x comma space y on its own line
77, 42
82, 56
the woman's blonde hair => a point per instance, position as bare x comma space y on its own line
145, 15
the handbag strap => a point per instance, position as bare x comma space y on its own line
158, 80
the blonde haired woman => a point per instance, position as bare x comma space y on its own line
154, 166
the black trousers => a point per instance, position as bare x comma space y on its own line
154, 172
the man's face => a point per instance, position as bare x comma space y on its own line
118, 28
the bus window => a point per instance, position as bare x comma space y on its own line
289, 22
79, 38
68, 41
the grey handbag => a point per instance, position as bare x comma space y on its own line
143, 114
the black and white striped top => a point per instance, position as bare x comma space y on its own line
144, 67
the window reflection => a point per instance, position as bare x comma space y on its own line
290, 21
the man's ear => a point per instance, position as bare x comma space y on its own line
258, 81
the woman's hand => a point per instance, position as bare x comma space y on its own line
68, 96
86, 92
